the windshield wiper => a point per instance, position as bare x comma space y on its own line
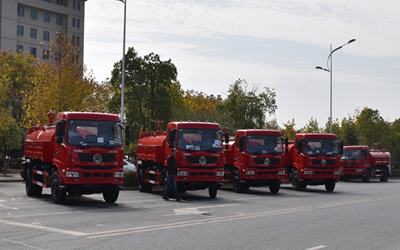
213, 149
105, 144
82, 145
190, 149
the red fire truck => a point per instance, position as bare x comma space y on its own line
81, 154
313, 159
199, 156
255, 158
361, 162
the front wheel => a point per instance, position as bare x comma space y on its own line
212, 191
237, 186
57, 193
367, 176
110, 196
274, 187
297, 185
330, 185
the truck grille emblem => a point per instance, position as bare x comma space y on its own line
323, 163
97, 158
202, 160
267, 161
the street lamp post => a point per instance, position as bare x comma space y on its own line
329, 69
123, 67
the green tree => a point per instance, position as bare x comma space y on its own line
10, 134
148, 82
247, 108
335, 127
311, 127
371, 127
289, 129
348, 131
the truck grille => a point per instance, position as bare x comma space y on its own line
350, 163
89, 157
318, 162
261, 160
195, 159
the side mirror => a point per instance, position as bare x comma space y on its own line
241, 143
286, 144
227, 140
341, 148
127, 134
171, 138
60, 131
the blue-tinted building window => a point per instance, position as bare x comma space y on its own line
20, 48
20, 11
33, 33
20, 30
59, 20
73, 22
32, 51
74, 4
46, 54
46, 17
79, 5
60, 2
46, 36
78, 23
34, 14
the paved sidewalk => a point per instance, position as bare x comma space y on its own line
10, 177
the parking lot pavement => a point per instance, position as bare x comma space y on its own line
10, 178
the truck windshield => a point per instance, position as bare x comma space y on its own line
351, 154
199, 139
264, 144
94, 133
318, 146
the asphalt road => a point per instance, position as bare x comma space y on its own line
356, 215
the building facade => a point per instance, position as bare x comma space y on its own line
30, 25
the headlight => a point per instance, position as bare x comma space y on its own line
182, 173
281, 172
336, 172
359, 170
308, 172
250, 172
72, 174
119, 175
220, 173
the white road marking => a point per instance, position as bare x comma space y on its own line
21, 243
187, 211
50, 229
316, 248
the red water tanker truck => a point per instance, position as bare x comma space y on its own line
313, 159
81, 154
361, 162
255, 158
199, 156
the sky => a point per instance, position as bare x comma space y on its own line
269, 43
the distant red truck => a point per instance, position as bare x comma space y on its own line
255, 158
199, 156
362, 162
313, 159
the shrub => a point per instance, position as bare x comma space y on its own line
130, 179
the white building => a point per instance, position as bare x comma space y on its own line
25, 24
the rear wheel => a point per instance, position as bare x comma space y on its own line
367, 176
31, 189
237, 186
274, 187
385, 176
330, 185
297, 185
143, 186
110, 196
212, 191
57, 193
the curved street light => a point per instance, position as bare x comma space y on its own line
329, 69
123, 67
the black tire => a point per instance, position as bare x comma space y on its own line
143, 186
297, 185
57, 193
31, 189
367, 176
238, 187
212, 191
274, 187
330, 185
385, 176
110, 196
